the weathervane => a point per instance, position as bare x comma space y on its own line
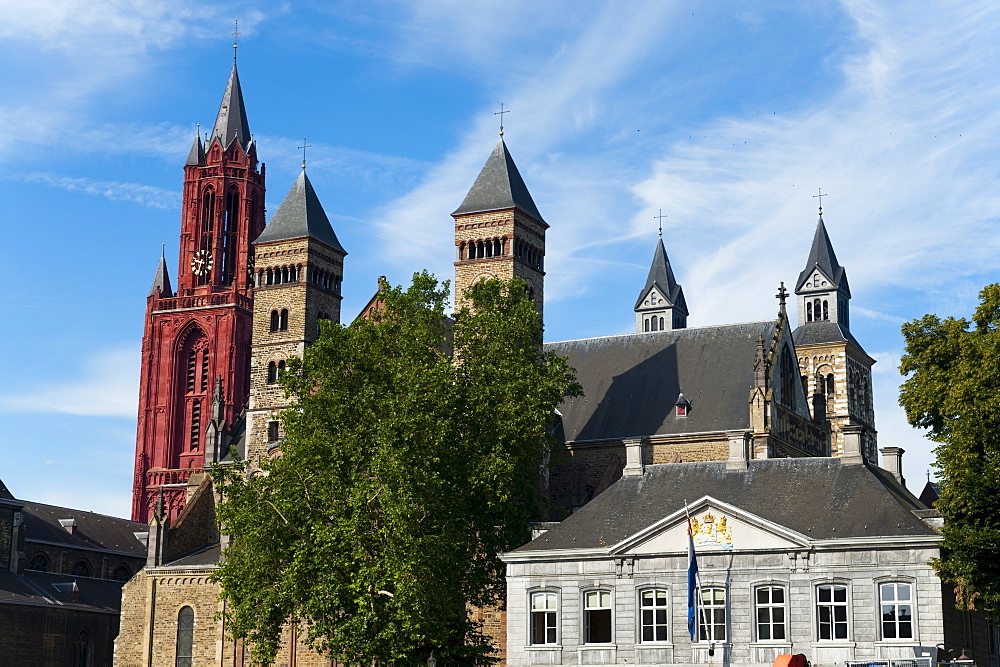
501, 113
236, 37
304, 146
660, 218
820, 196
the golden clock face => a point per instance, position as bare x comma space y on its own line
201, 263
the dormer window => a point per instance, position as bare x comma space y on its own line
682, 407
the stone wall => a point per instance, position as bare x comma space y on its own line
40, 636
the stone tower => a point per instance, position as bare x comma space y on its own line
831, 359
661, 305
299, 268
203, 331
499, 232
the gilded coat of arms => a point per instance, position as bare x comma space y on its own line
712, 531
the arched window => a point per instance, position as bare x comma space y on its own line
809, 311
789, 373
82, 650
283, 319
829, 385
81, 569
826, 310
39, 563
205, 243
645, 324
281, 367
185, 637
652, 324
274, 320
817, 309
661, 324
272, 373
227, 260
122, 573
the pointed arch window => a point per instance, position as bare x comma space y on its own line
205, 243
83, 650
122, 573
789, 376
39, 563
194, 361
81, 569
230, 226
183, 654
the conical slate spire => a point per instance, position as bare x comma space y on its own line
162, 280
197, 155
822, 257
231, 123
499, 186
299, 216
662, 276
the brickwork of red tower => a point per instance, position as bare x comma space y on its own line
202, 331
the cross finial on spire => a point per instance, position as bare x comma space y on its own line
304, 146
781, 296
236, 38
660, 218
501, 113
820, 196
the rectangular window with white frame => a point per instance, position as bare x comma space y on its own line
597, 617
770, 610
544, 618
712, 615
654, 615
896, 602
831, 612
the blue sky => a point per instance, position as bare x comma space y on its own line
726, 115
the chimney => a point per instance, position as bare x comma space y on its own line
635, 464
69, 525
852, 455
892, 461
737, 450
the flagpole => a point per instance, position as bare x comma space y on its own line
697, 598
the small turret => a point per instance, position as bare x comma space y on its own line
161, 281
661, 305
822, 286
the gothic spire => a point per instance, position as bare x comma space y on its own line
499, 186
162, 280
822, 257
300, 215
231, 123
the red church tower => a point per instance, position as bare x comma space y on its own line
203, 331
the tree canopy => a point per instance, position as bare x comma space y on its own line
411, 458
952, 389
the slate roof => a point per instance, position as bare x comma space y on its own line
41, 588
96, 532
4, 493
231, 122
499, 186
817, 497
631, 383
210, 555
815, 333
161, 280
662, 276
197, 155
300, 216
821, 255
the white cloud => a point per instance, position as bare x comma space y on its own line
105, 385
137, 193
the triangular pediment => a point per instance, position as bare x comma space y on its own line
719, 528
654, 298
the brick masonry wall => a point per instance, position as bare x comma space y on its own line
43, 636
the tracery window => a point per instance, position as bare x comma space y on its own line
81, 569
39, 563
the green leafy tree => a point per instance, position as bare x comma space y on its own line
410, 460
952, 389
